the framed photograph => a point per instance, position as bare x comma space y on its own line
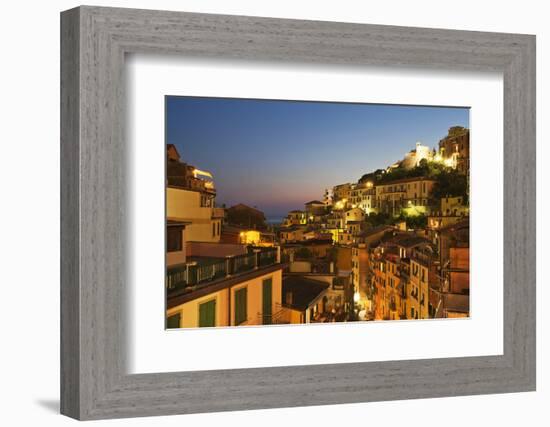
274, 213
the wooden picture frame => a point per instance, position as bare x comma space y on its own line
94, 382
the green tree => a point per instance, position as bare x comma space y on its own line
376, 219
450, 184
413, 221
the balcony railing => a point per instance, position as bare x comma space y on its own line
279, 317
267, 258
204, 272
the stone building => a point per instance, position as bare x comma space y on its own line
454, 149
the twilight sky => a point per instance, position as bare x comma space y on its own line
278, 155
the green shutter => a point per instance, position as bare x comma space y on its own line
266, 300
207, 314
173, 322
240, 306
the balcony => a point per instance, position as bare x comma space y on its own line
204, 271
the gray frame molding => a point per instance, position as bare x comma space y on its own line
94, 41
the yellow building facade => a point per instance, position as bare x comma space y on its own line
204, 221
295, 217
255, 299
454, 206
393, 306
418, 290
411, 195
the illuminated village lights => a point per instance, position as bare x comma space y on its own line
367, 270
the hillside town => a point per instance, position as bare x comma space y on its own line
394, 245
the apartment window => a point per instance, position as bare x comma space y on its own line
174, 241
213, 229
173, 322
240, 306
207, 314
219, 226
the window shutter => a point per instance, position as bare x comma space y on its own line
207, 314
173, 322
241, 306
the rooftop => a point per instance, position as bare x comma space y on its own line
375, 230
312, 242
304, 291
408, 241
463, 224
175, 223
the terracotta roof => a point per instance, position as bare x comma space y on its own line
465, 223
410, 241
168, 146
